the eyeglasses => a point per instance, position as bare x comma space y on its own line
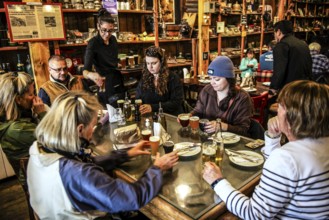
104, 30
64, 69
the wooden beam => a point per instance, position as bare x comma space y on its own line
281, 10
39, 54
203, 36
155, 18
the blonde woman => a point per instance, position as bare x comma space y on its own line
64, 182
20, 110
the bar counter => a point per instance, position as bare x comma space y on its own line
184, 195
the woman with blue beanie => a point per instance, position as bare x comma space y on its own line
222, 99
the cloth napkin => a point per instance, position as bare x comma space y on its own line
111, 112
158, 130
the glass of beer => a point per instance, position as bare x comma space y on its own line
131, 61
219, 154
194, 123
209, 151
202, 124
168, 147
123, 62
138, 102
146, 134
184, 120
120, 103
155, 143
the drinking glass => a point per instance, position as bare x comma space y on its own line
184, 121
202, 124
123, 62
146, 134
121, 117
209, 151
155, 143
127, 111
168, 147
194, 123
120, 103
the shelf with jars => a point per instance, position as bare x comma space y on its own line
308, 15
245, 26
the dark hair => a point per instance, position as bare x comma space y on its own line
148, 78
250, 50
224, 104
285, 27
104, 16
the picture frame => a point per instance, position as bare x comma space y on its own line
167, 11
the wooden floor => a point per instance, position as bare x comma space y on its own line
13, 204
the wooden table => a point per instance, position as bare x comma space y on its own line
201, 202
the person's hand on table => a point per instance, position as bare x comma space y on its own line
167, 161
37, 105
212, 126
139, 149
273, 127
145, 108
211, 172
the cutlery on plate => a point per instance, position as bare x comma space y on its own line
244, 156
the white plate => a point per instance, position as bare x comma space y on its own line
266, 83
246, 163
204, 80
248, 89
187, 153
229, 138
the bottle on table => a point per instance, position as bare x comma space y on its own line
127, 108
162, 118
220, 146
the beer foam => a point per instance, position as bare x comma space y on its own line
154, 138
209, 151
146, 132
194, 118
185, 117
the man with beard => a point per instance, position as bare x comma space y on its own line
60, 81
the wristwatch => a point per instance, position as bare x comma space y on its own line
215, 182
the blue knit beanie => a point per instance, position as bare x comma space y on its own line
221, 66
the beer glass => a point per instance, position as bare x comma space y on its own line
120, 103
184, 121
146, 134
209, 151
194, 123
202, 124
155, 143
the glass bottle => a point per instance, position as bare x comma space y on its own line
162, 118
19, 65
127, 108
137, 113
220, 146
28, 66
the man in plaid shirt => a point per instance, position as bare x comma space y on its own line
320, 63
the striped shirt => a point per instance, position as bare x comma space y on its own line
294, 183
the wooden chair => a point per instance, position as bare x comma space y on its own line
23, 175
260, 105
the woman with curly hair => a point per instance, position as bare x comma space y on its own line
159, 85
222, 99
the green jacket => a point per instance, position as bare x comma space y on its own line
16, 137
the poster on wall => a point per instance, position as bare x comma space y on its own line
34, 21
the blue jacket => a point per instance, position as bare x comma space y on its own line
64, 188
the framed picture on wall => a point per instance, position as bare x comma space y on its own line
167, 11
